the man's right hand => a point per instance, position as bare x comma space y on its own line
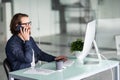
25, 33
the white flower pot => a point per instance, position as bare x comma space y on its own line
77, 54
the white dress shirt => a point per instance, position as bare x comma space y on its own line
33, 59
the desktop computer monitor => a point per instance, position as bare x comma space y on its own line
89, 40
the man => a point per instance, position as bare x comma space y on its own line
21, 50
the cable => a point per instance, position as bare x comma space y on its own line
108, 63
100, 56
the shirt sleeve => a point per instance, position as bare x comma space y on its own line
43, 56
46, 57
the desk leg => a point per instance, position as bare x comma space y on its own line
116, 73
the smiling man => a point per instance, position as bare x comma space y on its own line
21, 49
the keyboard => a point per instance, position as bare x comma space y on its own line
68, 63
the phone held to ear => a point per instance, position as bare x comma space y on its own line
18, 28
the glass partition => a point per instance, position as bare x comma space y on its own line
108, 23
72, 17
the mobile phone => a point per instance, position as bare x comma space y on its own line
18, 28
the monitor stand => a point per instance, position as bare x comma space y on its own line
97, 51
98, 55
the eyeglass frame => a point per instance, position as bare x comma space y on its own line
27, 23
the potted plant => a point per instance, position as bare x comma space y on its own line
76, 47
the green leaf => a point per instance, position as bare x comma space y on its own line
77, 45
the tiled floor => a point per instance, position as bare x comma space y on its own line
64, 50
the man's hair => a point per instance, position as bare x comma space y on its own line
15, 21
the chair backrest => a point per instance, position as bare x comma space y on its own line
7, 67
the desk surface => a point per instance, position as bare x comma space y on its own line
75, 72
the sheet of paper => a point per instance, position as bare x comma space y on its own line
39, 71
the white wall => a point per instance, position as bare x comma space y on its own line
4, 25
108, 23
41, 16
109, 9
106, 31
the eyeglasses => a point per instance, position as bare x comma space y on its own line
28, 23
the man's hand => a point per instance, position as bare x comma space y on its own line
25, 32
61, 58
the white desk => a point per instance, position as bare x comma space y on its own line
74, 72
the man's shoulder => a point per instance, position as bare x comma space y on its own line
12, 38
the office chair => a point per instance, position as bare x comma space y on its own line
7, 67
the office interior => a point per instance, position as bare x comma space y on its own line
56, 23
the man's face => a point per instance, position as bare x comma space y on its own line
25, 22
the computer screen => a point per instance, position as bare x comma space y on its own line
89, 38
